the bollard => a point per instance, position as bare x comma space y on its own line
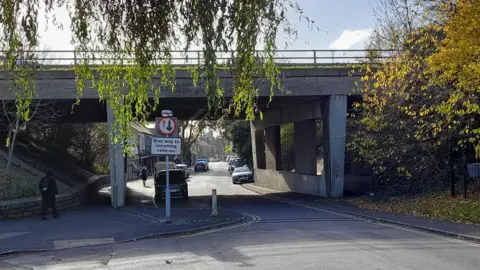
214, 203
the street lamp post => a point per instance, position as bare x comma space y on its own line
167, 113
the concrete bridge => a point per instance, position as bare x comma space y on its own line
187, 101
314, 92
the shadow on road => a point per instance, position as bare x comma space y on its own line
282, 236
286, 241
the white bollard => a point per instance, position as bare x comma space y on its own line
214, 203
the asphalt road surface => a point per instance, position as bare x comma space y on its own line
281, 236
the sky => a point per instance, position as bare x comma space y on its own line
344, 24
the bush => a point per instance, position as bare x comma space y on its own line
17, 183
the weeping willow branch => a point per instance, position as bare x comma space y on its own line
146, 31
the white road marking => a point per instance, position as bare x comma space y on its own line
255, 219
60, 244
11, 234
147, 217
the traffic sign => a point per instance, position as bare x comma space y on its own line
166, 126
166, 146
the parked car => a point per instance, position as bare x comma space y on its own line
184, 168
204, 160
162, 165
242, 175
200, 166
229, 158
177, 181
234, 163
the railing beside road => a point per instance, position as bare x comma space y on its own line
65, 58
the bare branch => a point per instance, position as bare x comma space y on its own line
27, 147
39, 114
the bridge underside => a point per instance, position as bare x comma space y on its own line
91, 110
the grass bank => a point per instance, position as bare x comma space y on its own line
437, 206
17, 183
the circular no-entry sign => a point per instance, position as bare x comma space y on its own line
166, 126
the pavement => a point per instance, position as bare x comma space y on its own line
444, 227
101, 224
278, 235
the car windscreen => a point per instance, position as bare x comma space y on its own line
176, 177
238, 162
242, 169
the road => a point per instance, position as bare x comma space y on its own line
281, 236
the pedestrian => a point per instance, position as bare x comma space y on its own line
143, 174
49, 191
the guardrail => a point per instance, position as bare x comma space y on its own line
63, 58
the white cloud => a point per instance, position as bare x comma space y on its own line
349, 38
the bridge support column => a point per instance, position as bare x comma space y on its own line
334, 116
117, 166
258, 147
305, 146
272, 148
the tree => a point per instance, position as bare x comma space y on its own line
39, 113
456, 64
84, 144
238, 132
189, 132
406, 129
148, 30
396, 21
406, 126
90, 145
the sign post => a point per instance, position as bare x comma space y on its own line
166, 144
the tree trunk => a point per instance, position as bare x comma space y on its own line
10, 154
11, 147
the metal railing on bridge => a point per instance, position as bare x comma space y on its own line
65, 58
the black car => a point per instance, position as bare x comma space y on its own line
200, 166
235, 163
178, 184
184, 168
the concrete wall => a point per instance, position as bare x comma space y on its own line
299, 82
291, 182
117, 166
71, 199
273, 157
332, 110
305, 141
334, 118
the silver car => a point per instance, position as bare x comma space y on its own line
242, 175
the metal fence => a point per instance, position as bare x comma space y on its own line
61, 58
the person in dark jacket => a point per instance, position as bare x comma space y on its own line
143, 174
48, 189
